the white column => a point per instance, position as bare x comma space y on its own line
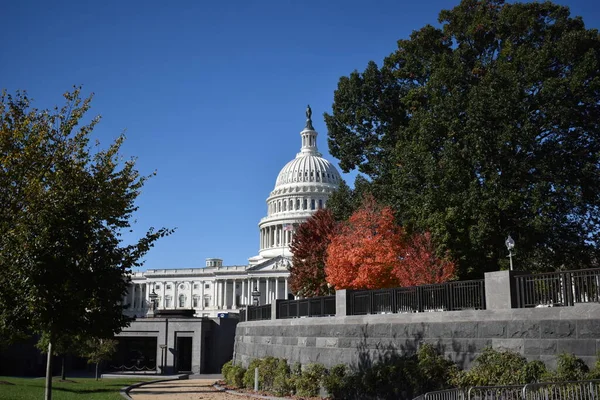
202, 295
276, 288
213, 300
267, 293
243, 292
175, 294
192, 294
164, 297
218, 293
141, 303
286, 288
233, 305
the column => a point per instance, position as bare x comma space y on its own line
164, 297
191, 294
243, 298
218, 293
276, 288
141, 297
213, 299
202, 295
267, 293
286, 288
233, 305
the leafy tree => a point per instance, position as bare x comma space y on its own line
309, 246
344, 200
97, 350
62, 346
64, 208
420, 264
484, 127
365, 250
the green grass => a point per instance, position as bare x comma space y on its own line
71, 389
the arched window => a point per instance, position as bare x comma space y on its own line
297, 204
312, 204
181, 301
285, 205
196, 301
279, 206
167, 301
320, 203
305, 207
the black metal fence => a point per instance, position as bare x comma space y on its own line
557, 288
258, 313
314, 307
450, 296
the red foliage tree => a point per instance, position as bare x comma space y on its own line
309, 246
365, 251
420, 265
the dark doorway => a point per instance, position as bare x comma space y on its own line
134, 354
184, 354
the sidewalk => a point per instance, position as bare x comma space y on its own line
200, 388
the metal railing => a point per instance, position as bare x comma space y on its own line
450, 296
510, 392
258, 313
577, 390
557, 288
580, 390
313, 307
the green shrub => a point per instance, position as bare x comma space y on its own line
309, 383
568, 368
236, 376
248, 379
266, 373
435, 371
335, 381
283, 384
394, 377
225, 370
499, 368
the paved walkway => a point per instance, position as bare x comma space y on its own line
188, 389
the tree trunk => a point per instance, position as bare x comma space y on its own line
97, 364
48, 394
63, 373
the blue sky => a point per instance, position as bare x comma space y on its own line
211, 94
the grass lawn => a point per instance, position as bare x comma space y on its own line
76, 388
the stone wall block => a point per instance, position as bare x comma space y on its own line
523, 329
551, 329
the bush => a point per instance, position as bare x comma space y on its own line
335, 381
266, 373
309, 382
225, 369
499, 368
236, 376
394, 377
248, 379
435, 371
568, 368
283, 384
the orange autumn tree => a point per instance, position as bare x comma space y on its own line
420, 264
366, 250
309, 247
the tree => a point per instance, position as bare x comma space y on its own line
366, 249
62, 346
344, 200
64, 207
309, 246
98, 350
420, 264
484, 127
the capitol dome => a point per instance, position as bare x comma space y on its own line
302, 187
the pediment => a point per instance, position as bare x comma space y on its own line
278, 263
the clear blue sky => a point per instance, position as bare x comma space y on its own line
211, 93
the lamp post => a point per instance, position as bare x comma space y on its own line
256, 296
510, 245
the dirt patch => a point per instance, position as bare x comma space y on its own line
6, 383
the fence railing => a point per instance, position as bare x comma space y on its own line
450, 296
558, 288
579, 390
576, 390
258, 313
313, 307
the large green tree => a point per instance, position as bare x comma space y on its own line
65, 205
484, 127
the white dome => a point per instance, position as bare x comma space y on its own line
302, 187
308, 168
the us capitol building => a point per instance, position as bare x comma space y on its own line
302, 187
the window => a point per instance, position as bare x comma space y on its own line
207, 286
182, 286
284, 205
196, 286
196, 302
168, 302
312, 204
320, 203
181, 301
297, 204
168, 287
157, 287
305, 204
206, 301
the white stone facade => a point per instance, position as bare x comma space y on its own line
302, 187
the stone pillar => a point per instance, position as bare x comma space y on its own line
267, 294
340, 303
233, 303
286, 288
175, 294
192, 294
276, 288
500, 293
202, 295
